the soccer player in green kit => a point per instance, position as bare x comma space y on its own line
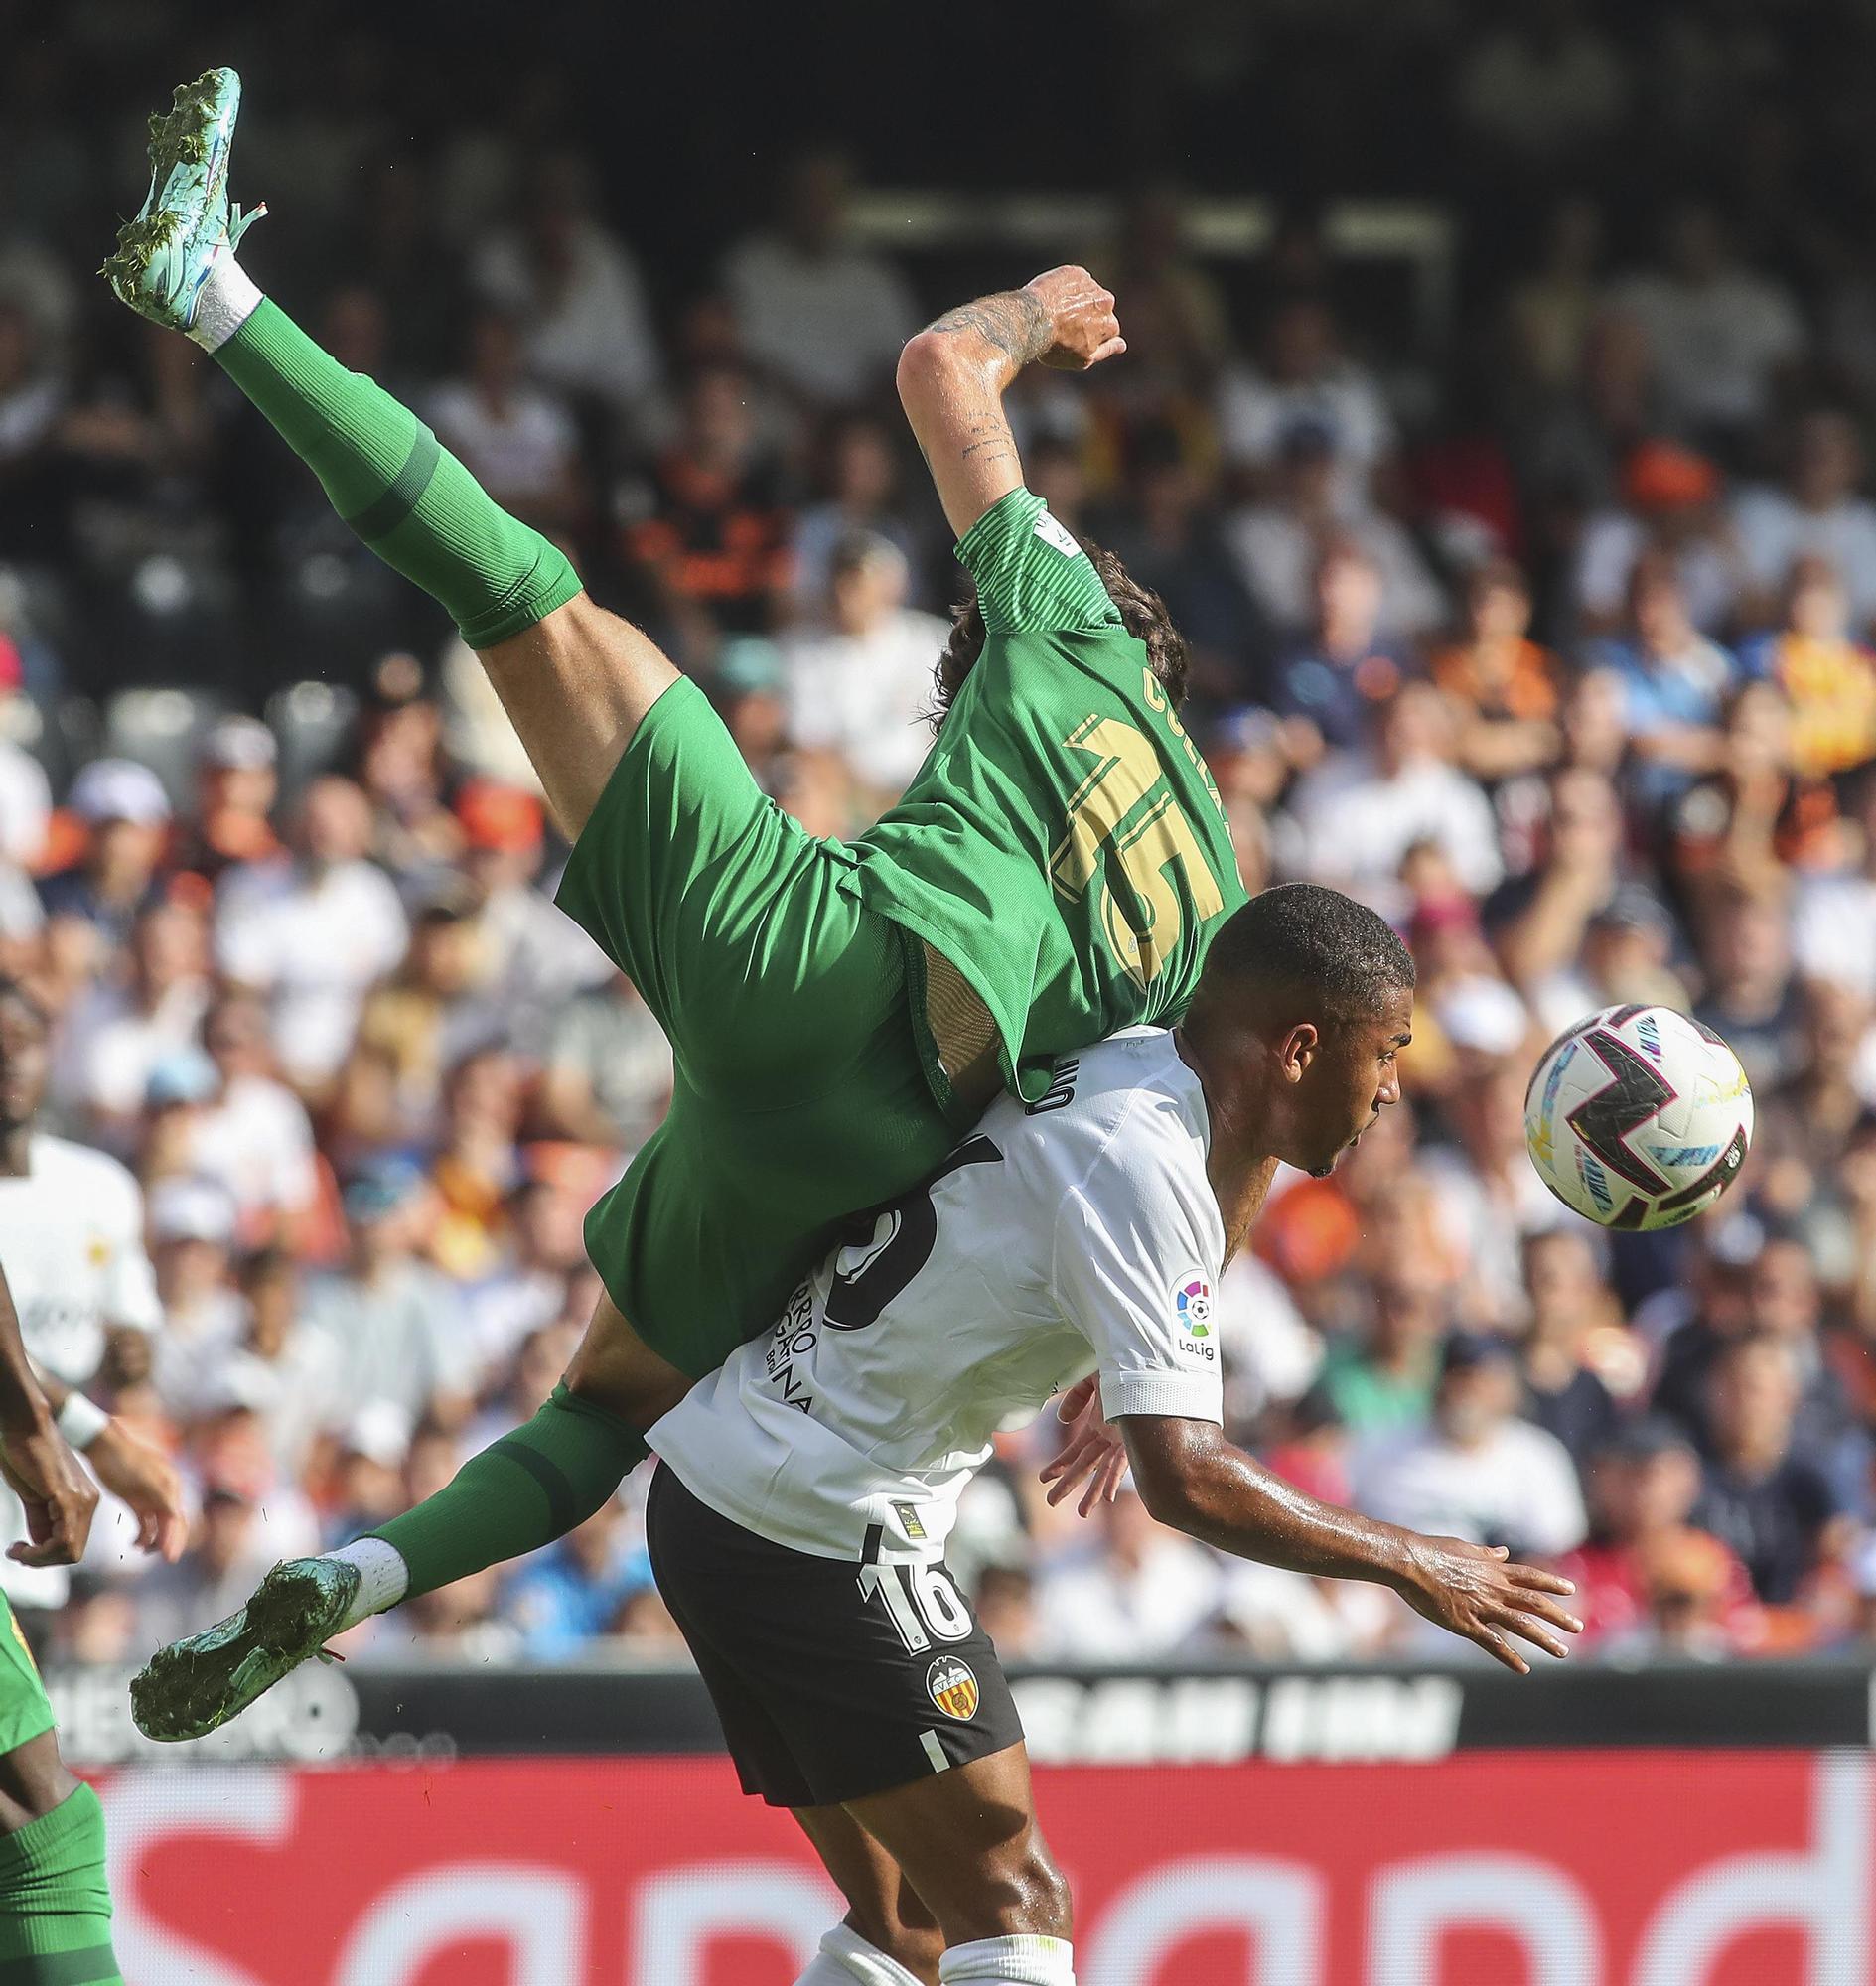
839, 1012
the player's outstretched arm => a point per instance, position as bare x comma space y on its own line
1194, 1479
954, 375
35, 1458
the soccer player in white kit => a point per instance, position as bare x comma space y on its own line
71, 1245
797, 1527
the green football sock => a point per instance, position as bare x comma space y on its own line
520, 1493
390, 480
54, 1903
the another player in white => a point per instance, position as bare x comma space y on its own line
798, 1526
71, 1242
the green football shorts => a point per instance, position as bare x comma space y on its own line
801, 1092
25, 1709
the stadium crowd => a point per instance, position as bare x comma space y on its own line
1557, 652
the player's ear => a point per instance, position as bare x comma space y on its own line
1298, 1049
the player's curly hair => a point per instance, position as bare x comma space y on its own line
1301, 942
1142, 613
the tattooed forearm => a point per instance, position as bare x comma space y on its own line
1016, 322
987, 441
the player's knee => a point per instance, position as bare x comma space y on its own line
1029, 1896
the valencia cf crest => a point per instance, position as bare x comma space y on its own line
952, 1687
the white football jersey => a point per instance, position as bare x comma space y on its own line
72, 1247
1076, 1232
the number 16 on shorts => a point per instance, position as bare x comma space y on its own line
920, 1600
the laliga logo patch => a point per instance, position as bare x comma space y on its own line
1192, 1305
952, 1687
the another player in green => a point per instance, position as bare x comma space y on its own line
838, 1012
54, 1901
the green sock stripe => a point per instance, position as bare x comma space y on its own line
95, 1966
378, 519
561, 1502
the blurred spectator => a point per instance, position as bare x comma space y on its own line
563, 274
608, 1072
1139, 1593
253, 1134
126, 816
1543, 86
566, 1597
1672, 678
1476, 1471
1330, 681
862, 497
236, 784
822, 316
1642, 1485
118, 1030
1359, 813
429, 1014
1683, 1577
1306, 383
1673, 520
1381, 1379
517, 439
706, 518
527, 1289
1169, 539
1834, 921
1828, 679
1818, 515
213, 1576
1551, 312
392, 1319
1574, 1329
1005, 1606
1507, 688
312, 933
1281, 542
860, 680
1750, 999
1762, 1495
1721, 334
1753, 821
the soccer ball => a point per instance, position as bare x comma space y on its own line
1638, 1117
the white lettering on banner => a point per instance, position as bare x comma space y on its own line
681, 1910
539, 1913
143, 1810
1414, 1904
1343, 1719
1825, 1891
1280, 1903
1216, 1720
311, 1714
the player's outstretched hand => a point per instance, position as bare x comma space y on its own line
1081, 314
145, 1477
1476, 1591
1091, 1451
60, 1499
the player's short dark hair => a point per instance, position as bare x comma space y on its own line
1142, 613
1313, 944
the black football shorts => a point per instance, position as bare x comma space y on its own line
833, 1679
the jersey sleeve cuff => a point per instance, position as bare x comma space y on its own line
997, 522
1185, 1396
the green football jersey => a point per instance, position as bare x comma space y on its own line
1063, 846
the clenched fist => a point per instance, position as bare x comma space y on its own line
1080, 315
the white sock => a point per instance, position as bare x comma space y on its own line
846, 1958
227, 301
383, 1578
1009, 1961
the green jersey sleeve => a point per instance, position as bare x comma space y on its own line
1032, 577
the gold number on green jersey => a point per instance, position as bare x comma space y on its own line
1160, 840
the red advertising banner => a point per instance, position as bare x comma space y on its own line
1505, 1869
